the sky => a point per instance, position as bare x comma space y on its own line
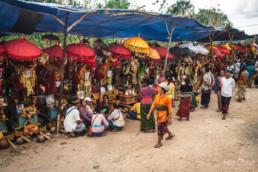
242, 13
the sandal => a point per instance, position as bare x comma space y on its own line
170, 137
158, 146
71, 136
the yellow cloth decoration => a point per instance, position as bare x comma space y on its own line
137, 45
154, 54
226, 46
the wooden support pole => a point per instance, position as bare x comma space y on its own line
58, 123
63, 59
169, 42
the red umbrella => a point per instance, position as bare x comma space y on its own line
163, 52
238, 47
224, 50
22, 50
79, 52
217, 52
118, 51
55, 51
2, 50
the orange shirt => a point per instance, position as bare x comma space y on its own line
162, 116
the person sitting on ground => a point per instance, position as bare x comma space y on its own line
89, 105
105, 104
98, 122
72, 122
116, 119
85, 115
135, 115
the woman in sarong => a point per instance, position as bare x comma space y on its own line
185, 101
241, 85
146, 96
163, 106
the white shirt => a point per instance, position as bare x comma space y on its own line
71, 118
256, 66
237, 67
114, 115
89, 109
227, 86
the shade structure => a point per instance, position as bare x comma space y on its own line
153, 55
79, 52
224, 50
137, 45
22, 50
190, 46
50, 37
201, 50
163, 52
2, 50
54, 51
226, 46
119, 52
180, 51
217, 52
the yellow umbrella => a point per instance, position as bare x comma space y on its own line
209, 48
226, 46
153, 55
137, 45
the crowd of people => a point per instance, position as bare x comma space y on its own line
156, 98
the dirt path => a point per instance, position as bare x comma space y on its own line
205, 143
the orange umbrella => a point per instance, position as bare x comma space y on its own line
153, 55
137, 45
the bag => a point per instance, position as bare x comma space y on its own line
90, 128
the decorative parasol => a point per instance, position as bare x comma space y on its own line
50, 37
224, 50
190, 46
80, 52
163, 52
180, 51
238, 47
200, 49
226, 46
55, 51
251, 47
2, 50
217, 52
137, 45
22, 50
119, 52
153, 55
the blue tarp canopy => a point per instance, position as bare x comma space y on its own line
32, 18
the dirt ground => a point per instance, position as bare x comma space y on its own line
205, 143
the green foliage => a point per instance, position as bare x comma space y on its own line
117, 4
212, 17
181, 7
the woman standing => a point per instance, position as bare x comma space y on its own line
185, 101
171, 90
163, 105
241, 85
146, 96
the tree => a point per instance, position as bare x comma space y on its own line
117, 4
181, 7
212, 17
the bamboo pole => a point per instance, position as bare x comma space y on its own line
12, 145
24, 138
63, 59
169, 42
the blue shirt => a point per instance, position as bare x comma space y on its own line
251, 70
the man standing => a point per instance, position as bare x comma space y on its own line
72, 122
218, 89
208, 83
228, 83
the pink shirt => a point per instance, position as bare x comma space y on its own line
97, 126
